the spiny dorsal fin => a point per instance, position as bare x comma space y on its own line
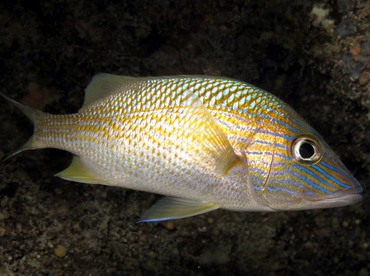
104, 84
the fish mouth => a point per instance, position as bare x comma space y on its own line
338, 199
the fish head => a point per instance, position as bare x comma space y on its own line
293, 168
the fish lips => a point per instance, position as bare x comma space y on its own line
337, 199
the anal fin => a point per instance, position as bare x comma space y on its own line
78, 172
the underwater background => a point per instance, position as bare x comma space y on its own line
315, 55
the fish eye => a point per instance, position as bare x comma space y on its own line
306, 150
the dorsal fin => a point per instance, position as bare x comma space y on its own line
104, 84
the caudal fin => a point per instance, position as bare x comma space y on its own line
33, 115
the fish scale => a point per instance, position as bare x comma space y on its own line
205, 142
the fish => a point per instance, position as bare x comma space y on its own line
203, 142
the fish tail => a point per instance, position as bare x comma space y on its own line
34, 115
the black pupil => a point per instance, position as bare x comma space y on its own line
306, 150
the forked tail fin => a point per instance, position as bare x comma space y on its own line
32, 114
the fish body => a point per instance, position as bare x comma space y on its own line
204, 142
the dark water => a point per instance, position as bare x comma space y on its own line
50, 51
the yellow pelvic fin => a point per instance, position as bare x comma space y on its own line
176, 208
103, 85
78, 172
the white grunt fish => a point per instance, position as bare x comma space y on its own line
203, 142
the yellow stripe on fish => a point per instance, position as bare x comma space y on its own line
204, 142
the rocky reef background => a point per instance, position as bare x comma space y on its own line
313, 54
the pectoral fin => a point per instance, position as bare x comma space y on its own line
176, 208
78, 172
201, 133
